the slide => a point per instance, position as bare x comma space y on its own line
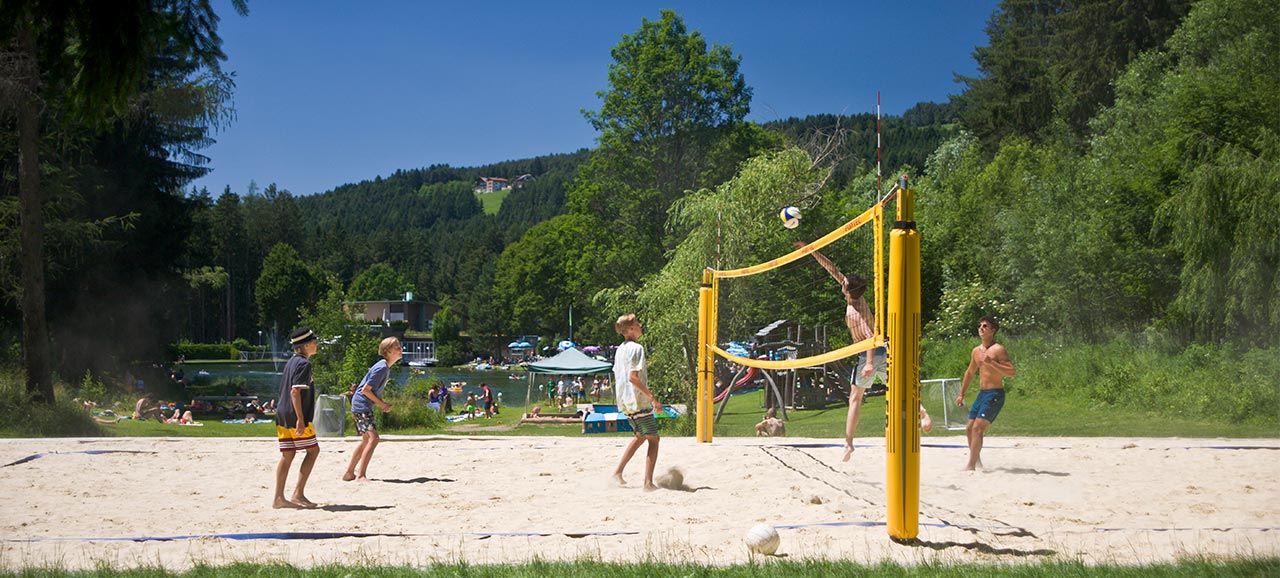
751, 375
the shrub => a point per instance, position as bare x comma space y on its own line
410, 405
20, 417
192, 351
92, 389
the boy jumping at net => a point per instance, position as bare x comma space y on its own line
868, 364
635, 399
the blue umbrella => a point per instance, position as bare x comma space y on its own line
566, 344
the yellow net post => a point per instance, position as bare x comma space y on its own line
902, 404
706, 358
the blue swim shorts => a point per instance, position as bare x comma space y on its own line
987, 405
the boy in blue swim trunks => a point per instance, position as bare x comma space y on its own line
992, 362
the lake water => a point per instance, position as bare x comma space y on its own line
263, 379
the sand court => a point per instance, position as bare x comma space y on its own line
176, 502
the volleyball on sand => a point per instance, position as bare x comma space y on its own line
790, 217
762, 539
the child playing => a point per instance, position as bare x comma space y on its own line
632, 377
296, 411
367, 395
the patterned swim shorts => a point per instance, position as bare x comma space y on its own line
364, 421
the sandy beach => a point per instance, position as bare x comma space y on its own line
175, 502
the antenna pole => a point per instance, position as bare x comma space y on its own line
878, 174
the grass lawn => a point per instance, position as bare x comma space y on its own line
491, 202
1023, 415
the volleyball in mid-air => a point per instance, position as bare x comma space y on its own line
790, 217
762, 539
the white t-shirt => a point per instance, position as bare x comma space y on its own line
630, 357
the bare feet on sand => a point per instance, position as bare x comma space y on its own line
303, 502
347, 477
281, 503
650, 487
848, 452
617, 481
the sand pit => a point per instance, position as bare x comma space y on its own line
175, 502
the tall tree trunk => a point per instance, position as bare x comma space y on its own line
35, 329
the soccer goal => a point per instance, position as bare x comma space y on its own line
939, 398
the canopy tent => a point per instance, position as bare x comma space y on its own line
567, 362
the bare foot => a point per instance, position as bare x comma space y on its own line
362, 479
926, 424
303, 502
650, 487
281, 503
617, 481
848, 452
347, 477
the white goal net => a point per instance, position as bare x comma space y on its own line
939, 399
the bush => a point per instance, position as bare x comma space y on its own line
450, 354
411, 412
92, 389
192, 351
23, 418
963, 305
1130, 371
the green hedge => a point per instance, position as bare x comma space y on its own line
190, 350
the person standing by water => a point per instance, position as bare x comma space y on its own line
486, 396
991, 361
367, 395
635, 399
295, 412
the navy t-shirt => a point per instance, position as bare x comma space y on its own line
297, 373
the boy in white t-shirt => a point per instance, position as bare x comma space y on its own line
635, 399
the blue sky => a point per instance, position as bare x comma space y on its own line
332, 92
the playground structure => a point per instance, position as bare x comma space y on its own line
796, 388
897, 326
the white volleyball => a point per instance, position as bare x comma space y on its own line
762, 539
790, 217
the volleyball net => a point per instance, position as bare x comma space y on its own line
891, 298
808, 295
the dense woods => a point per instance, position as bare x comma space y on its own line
1113, 169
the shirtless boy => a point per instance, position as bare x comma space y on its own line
992, 363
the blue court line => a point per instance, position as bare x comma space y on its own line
837, 445
1260, 528
990, 528
988, 446
90, 452
314, 536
